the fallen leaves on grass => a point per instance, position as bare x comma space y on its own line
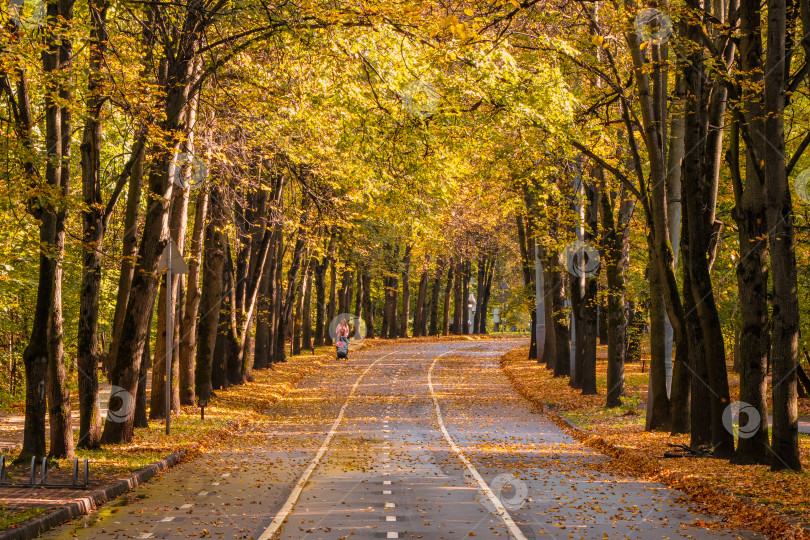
746, 496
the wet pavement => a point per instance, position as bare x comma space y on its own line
415, 440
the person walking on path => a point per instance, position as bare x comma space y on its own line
342, 338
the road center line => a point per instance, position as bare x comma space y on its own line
514, 530
285, 511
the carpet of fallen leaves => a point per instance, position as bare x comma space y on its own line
751, 497
225, 419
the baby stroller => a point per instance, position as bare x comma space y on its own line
342, 347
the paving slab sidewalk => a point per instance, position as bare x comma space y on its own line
66, 504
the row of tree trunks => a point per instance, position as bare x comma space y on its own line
179, 82
44, 355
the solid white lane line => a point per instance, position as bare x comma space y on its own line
285, 511
514, 530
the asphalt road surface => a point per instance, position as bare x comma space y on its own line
417, 440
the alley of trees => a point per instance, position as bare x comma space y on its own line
637, 173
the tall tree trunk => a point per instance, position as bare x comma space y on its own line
526, 244
298, 317
421, 298
344, 296
434, 302
210, 300
141, 408
306, 331
330, 312
289, 297
785, 338
562, 334
58, 126
93, 229
590, 314
465, 295
393, 291
490, 275
188, 326
222, 350
657, 401
752, 270
458, 298
479, 300
448, 289
700, 429
617, 258
320, 300
405, 315
154, 238
368, 310
262, 342
129, 251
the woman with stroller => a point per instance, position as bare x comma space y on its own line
342, 338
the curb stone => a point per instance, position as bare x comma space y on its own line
41, 524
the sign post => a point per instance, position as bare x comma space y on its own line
172, 261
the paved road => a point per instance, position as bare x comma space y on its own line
422, 440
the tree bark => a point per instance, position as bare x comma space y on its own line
154, 238
458, 298
617, 258
210, 300
448, 289
368, 311
141, 409
657, 401
93, 229
306, 331
562, 334
752, 269
479, 300
779, 210
330, 312
405, 314
188, 326
421, 297
434, 302
58, 126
